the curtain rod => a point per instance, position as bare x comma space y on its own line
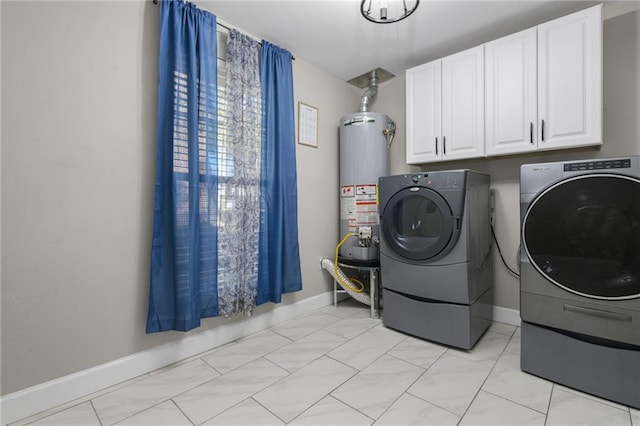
293, 58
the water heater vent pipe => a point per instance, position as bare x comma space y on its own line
370, 93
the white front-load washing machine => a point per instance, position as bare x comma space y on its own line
435, 255
580, 275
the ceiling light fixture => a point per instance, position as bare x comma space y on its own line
386, 12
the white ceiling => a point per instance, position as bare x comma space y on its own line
333, 35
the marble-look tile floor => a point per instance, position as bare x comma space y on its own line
338, 366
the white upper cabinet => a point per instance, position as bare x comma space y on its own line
570, 80
463, 104
424, 125
539, 89
511, 94
445, 108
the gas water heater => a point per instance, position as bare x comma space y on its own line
365, 138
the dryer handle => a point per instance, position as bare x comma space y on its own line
456, 223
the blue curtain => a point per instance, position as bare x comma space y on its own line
279, 258
183, 287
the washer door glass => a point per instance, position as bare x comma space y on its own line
583, 234
417, 223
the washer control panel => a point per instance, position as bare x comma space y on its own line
624, 163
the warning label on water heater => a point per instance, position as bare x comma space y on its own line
347, 191
359, 205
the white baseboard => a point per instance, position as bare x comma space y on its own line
506, 315
27, 402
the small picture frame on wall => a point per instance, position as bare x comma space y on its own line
307, 125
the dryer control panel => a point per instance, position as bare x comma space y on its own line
435, 180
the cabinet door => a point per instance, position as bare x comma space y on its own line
511, 94
463, 104
423, 97
570, 80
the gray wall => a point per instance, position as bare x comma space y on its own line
79, 86
621, 137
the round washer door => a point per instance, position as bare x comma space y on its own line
417, 224
583, 234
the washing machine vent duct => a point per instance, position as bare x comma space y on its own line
338, 275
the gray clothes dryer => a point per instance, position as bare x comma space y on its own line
435, 255
580, 275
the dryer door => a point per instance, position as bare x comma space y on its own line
583, 234
417, 224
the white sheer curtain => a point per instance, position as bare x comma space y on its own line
239, 180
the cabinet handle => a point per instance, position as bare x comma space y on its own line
444, 144
531, 132
436, 145
542, 131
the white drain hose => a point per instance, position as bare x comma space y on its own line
328, 264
